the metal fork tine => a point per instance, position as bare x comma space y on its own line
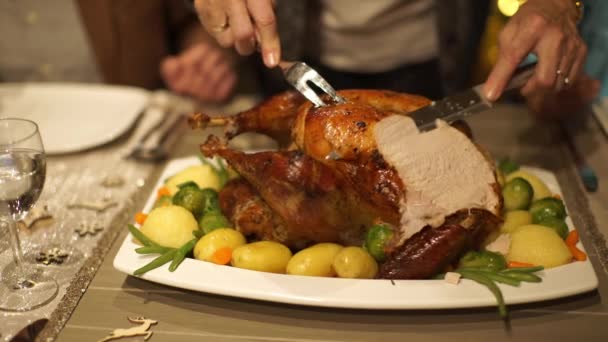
326, 87
298, 74
303, 87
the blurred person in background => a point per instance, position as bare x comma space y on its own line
149, 44
427, 47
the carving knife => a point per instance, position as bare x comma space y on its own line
465, 103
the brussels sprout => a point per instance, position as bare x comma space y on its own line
559, 225
191, 198
483, 259
212, 220
517, 194
376, 239
507, 166
211, 200
547, 207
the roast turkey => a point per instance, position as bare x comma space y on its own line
351, 164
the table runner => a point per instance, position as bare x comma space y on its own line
101, 176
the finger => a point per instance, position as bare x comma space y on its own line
184, 83
202, 89
266, 27
219, 72
212, 60
211, 86
242, 28
188, 63
549, 50
170, 70
211, 13
579, 61
225, 38
514, 44
567, 76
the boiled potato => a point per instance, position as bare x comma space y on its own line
355, 262
515, 219
538, 245
264, 256
314, 261
170, 226
203, 175
216, 239
540, 189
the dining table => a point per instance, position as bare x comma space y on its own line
95, 299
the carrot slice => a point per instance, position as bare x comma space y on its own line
140, 218
515, 264
571, 242
222, 256
164, 191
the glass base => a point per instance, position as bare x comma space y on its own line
24, 294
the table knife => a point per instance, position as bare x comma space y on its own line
466, 103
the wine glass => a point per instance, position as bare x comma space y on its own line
22, 172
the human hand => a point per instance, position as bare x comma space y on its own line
240, 23
547, 28
203, 71
550, 105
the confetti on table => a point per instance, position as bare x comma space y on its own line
38, 213
88, 229
53, 255
140, 330
113, 182
99, 206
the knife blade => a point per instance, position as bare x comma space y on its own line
465, 103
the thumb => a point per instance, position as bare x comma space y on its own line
171, 69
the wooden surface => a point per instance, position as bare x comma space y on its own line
190, 316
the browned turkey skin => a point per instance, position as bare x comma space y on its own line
302, 196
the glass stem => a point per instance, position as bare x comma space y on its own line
16, 247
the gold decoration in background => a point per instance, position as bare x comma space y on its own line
140, 330
37, 214
113, 181
98, 206
509, 7
52, 256
88, 229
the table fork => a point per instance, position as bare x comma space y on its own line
301, 76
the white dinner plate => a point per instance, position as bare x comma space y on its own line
566, 280
73, 117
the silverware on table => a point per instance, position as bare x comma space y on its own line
301, 76
466, 103
152, 144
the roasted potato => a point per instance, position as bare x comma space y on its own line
203, 175
264, 256
170, 226
314, 261
219, 238
538, 245
355, 262
515, 219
